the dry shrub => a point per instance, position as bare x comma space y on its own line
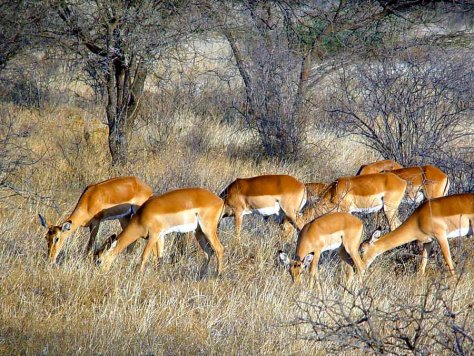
436, 317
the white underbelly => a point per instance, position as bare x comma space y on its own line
372, 209
459, 232
181, 228
332, 246
272, 210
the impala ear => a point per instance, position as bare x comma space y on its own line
43, 221
375, 235
307, 260
66, 226
283, 259
113, 241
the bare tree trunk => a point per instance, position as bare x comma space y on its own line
124, 94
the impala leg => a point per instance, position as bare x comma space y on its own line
159, 247
288, 229
94, 229
391, 203
180, 242
313, 274
291, 222
123, 224
392, 218
206, 248
348, 265
238, 223
153, 240
444, 245
210, 243
424, 257
291, 213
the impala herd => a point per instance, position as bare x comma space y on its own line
320, 212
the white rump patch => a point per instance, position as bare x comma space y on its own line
181, 228
367, 210
272, 210
459, 232
332, 246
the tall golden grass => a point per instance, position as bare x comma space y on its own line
251, 309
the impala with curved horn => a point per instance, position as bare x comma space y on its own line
363, 194
182, 210
264, 195
116, 198
341, 231
438, 219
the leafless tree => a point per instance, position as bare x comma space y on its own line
281, 49
20, 20
117, 41
408, 109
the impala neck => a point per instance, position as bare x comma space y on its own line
302, 249
78, 218
129, 235
405, 233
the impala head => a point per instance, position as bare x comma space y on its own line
295, 266
55, 236
366, 246
104, 256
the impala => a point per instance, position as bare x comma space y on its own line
183, 210
314, 191
116, 198
363, 194
378, 167
341, 231
264, 195
424, 181
438, 219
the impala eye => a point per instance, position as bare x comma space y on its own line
56, 239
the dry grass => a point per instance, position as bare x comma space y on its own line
75, 309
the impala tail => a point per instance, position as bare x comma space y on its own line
360, 169
226, 210
304, 201
221, 214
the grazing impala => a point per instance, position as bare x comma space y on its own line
265, 195
116, 198
439, 219
424, 181
364, 194
341, 231
378, 167
183, 210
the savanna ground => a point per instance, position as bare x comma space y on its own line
189, 133
251, 309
